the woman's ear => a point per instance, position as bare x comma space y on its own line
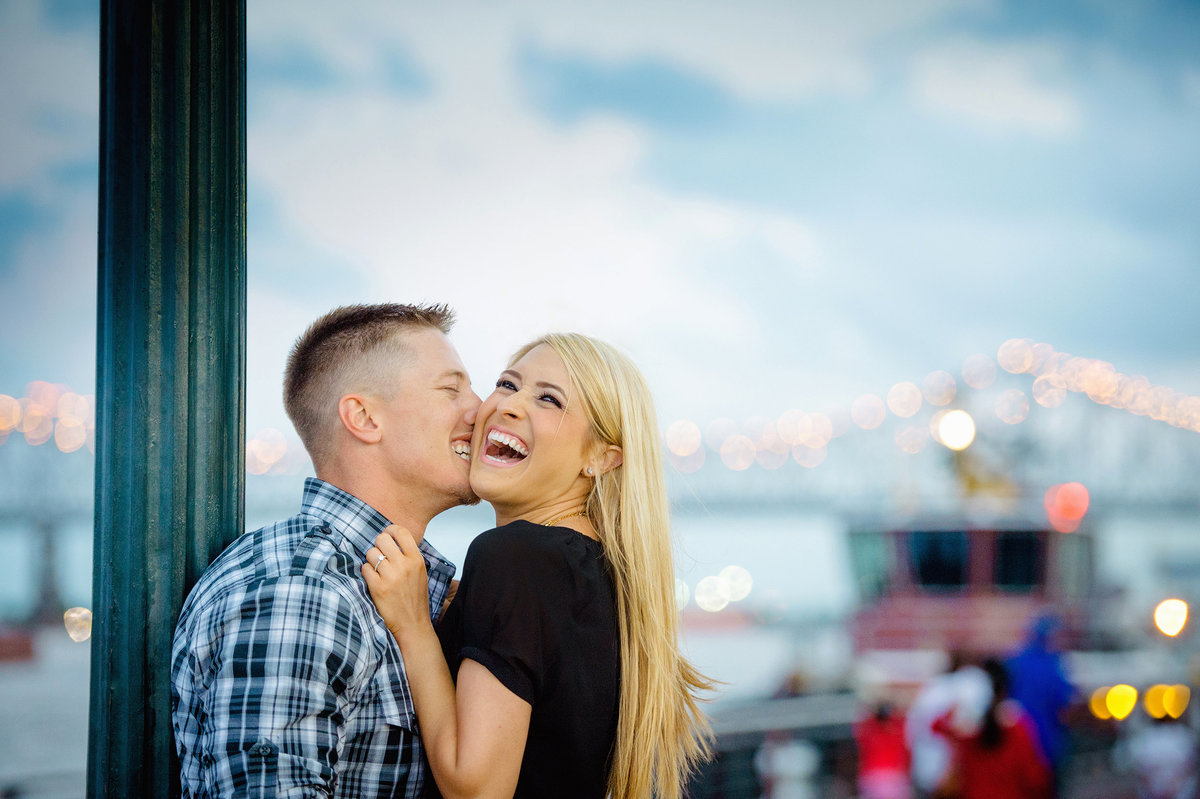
354, 412
605, 460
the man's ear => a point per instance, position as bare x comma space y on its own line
605, 460
354, 412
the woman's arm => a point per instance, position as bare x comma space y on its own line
475, 737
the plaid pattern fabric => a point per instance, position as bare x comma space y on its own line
283, 677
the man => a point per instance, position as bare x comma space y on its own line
283, 676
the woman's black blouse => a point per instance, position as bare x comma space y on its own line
536, 608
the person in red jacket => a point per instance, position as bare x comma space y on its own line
999, 758
883, 757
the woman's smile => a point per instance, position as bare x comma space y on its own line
503, 448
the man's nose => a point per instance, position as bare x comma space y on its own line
473, 411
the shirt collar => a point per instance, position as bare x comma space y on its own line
355, 520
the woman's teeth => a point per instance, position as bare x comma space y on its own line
504, 440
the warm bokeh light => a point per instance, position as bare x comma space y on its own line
717, 431
269, 445
738, 582
1153, 701
78, 622
1175, 700
979, 371
684, 438
1016, 355
822, 431
772, 452
69, 434
1121, 700
1099, 380
1170, 616
939, 388
868, 411
10, 413
738, 452
904, 399
956, 430
45, 394
37, 424
712, 594
1012, 406
1049, 391
1098, 704
73, 406
794, 427
808, 457
1066, 504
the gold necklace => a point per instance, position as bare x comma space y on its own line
558, 519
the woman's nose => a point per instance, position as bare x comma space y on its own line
512, 404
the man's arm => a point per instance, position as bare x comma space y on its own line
287, 657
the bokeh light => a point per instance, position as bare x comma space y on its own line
1121, 700
1154, 702
1175, 700
1098, 703
712, 594
979, 371
868, 411
1066, 504
955, 429
69, 434
794, 427
684, 438
10, 413
1012, 406
904, 400
773, 451
73, 406
78, 622
738, 582
738, 452
1170, 616
822, 431
939, 388
1049, 391
1016, 355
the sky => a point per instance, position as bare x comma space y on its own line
767, 204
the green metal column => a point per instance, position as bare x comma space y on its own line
171, 358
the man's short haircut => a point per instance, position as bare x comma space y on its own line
340, 354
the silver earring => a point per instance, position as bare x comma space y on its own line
589, 471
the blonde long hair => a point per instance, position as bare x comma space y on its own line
661, 733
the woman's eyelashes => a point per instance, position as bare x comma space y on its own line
548, 398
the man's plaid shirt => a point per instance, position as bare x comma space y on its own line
283, 677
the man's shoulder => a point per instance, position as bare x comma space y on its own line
282, 556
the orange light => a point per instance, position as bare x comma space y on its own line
69, 434
1066, 504
10, 413
1016, 355
1098, 705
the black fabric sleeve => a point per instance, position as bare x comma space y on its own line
505, 626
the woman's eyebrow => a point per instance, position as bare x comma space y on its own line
512, 373
555, 386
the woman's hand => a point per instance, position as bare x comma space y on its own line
397, 582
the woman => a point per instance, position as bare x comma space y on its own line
1000, 758
557, 672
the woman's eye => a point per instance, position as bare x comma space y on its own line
505, 383
550, 398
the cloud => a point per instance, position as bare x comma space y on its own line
1008, 87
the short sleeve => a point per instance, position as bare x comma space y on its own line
502, 610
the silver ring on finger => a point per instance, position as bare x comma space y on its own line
382, 558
